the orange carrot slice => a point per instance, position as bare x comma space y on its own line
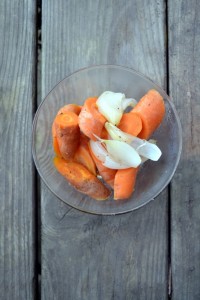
70, 107
84, 140
151, 109
67, 133
84, 157
81, 179
55, 141
124, 183
104, 134
130, 123
91, 120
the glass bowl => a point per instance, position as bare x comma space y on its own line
152, 178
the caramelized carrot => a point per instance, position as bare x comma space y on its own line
151, 109
104, 134
84, 157
130, 123
91, 120
81, 179
70, 107
107, 174
124, 183
67, 133
84, 140
55, 141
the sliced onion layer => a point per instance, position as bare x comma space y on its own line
117, 134
117, 155
128, 102
111, 105
122, 152
144, 148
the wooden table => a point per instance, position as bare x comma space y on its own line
48, 249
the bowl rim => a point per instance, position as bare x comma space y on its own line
131, 70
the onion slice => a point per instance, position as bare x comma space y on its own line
117, 134
128, 102
100, 152
112, 105
122, 152
147, 149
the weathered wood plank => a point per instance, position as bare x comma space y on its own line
94, 257
17, 48
184, 62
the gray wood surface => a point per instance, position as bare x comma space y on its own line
94, 257
17, 61
184, 63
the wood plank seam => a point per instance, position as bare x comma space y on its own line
169, 186
36, 176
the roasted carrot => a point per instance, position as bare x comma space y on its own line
107, 174
84, 140
84, 157
104, 134
91, 121
130, 123
151, 109
70, 107
67, 133
81, 179
55, 141
124, 183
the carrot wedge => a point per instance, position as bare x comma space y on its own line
67, 133
104, 134
91, 121
70, 107
81, 179
124, 183
83, 156
151, 110
130, 123
55, 141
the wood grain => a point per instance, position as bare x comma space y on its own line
94, 257
17, 48
184, 62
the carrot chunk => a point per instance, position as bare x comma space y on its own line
124, 183
70, 107
91, 120
151, 110
130, 123
55, 141
81, 179
83, 155
67, 133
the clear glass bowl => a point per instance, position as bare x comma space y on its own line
152, 178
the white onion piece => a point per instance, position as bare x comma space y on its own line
98, 150
122, 152
111, 164
144, 159
144, 148
117, 134
128, 102
111, 105
101, 153
114, 99
111, 114
150, 151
